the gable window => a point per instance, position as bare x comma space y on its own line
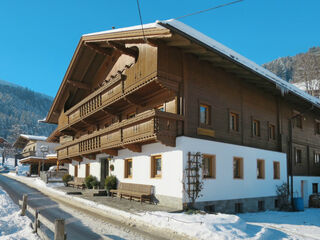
298, 156
204, 114
208, 166
128, 168
237, 168
234, 122
317, 158
256, 128
299, 121
156, 166
276, 170
260, 169
272, 132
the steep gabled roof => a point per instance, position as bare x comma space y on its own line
168, 31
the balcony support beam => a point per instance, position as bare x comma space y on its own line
89, 156
133, 147
112, 152
103, 51
131, 101
123, 49
78, 159
78, 84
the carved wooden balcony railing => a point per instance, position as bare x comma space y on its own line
146, 127
28, 154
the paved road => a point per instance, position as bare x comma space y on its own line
48, 208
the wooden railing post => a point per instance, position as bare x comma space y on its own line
36, 221
24, 204
59, 229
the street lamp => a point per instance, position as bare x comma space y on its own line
44, 149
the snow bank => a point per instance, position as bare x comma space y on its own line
12, 225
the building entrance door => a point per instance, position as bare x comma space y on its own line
104, 171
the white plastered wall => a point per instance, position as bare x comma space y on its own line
307, 182
94, 168
224, 186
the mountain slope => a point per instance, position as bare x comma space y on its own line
303, 67
20, 110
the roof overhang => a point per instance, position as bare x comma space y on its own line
37, 160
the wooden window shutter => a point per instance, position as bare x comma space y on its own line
125, 169
251, 118
229, 119
268, 129
152, 166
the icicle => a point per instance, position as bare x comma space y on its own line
282, 89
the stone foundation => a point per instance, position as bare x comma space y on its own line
172, 202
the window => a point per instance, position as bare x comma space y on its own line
317, 127
299, 121
276, 203
314, 187
128, 168
276, 170
260, 169
256, 128
237, 168
298, 156
317, 158
204, 114
156, 166
208, 166
272, 132
261, 206
238, 207
131, 115
234, 122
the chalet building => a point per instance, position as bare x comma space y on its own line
150, 103
31, 153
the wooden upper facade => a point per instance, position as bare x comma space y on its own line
123, 90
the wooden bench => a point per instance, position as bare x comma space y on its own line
77, 182
132, 190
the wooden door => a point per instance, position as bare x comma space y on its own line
76, 171
87, 169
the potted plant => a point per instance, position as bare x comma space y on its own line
88, 180
95, 183
66, 178
111, 167
110, 183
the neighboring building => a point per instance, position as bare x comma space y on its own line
151, 103
312, 87
31, 153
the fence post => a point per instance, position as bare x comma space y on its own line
36, 222
59, 229
24, 204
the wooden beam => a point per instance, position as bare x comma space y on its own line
90, 156
101, 50
132, 102
79, 84
112, 152
179, 43
77, 158
123, 49
133, 147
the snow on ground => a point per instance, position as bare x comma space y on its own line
12, 225
263, 225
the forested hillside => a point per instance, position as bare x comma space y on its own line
20, 110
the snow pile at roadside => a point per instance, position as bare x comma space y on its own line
12, 225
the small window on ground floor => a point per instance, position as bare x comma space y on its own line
238, 207
260, 169
156, 166
208, 166
276, 170
276, 203
128, 168
261, 206
317, 158
314, 187
237, 168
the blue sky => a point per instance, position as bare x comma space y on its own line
38, 37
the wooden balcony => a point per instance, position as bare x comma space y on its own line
118, 93
28, 154
146, 127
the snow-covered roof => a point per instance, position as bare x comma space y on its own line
280, 83
32, 137
172, 24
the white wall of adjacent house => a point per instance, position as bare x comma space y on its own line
51, 147
224, 186
303, 187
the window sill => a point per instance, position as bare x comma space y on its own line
208, 178
205, 132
